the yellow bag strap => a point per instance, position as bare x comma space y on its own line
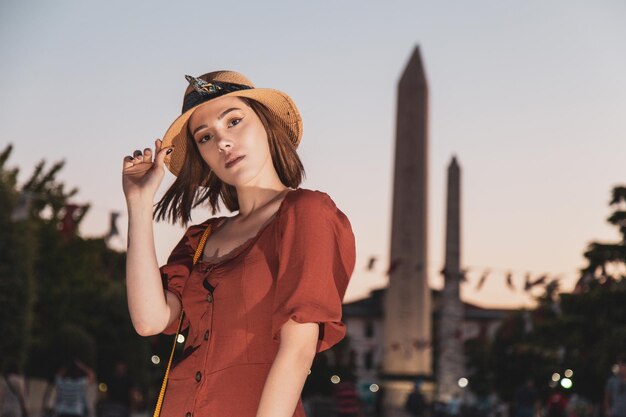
196, 257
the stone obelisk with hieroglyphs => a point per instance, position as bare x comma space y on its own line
407, 353
451, 362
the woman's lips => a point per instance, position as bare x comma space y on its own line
234, 161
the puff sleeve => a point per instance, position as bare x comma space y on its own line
316, 256
179, 264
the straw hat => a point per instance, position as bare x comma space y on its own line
226, 83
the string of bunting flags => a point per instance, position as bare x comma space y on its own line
480, 275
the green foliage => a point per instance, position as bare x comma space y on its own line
583, 331
62, 296
606, 260
18, 250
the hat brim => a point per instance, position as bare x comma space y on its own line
278, 103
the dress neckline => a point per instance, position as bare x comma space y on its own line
237, 250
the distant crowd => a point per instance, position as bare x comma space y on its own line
69, 396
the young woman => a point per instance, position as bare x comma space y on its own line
266, 294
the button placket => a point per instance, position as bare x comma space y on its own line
206, 269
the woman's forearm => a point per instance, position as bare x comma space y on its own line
150, 310
289, 370
284, 383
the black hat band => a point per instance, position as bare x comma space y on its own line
210, 91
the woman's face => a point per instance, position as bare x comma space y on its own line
232, 140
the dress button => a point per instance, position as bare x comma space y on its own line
198, 376
188, 415
209, 298
206, 335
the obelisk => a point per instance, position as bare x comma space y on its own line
407, 347
451, 359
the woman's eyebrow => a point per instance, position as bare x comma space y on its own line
225, 112
220, 117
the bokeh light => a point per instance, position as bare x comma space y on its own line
566, 383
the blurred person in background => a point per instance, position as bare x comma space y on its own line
415, 403
72, 381
120, 393
346, 397
557, 403
13, 393
615, 391
526, 400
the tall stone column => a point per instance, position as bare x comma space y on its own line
451, 360
407, 348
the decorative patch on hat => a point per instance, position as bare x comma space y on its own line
201, 86
204, 91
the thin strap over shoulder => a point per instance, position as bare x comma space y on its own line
196, 256
203, 239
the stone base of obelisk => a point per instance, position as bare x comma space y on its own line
396, 393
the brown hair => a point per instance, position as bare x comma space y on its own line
196, 182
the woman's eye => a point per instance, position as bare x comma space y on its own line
204, 139
234, 122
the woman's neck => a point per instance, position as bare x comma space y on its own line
252, 199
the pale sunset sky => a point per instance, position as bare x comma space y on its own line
529, 95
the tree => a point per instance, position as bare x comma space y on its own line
18, 251
582, 331
606, 262
63, 295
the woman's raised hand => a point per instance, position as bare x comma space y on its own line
141, 175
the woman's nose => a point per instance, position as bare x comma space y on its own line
224, 143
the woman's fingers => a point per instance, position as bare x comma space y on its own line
139, 157
128, 161
163, 152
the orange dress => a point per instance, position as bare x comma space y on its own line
297, 266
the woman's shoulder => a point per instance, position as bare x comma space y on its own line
308, 199
306, 206
312, 214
